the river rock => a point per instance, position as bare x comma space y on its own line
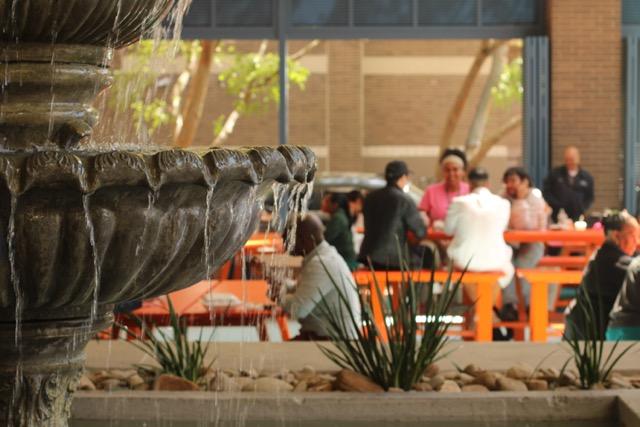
268, 385
431, 371
537, 385
472, 370
521, 371
487, 379
450, 386
395, 390
451, 375
477, 388
111, 384
465, 379
618, 382
168, 382
549, 374
136, 382
322, 387
437, 381
122, 375
568, 377
86, 384
301, 386
347, 380
510, 384
423, 387
224, 382
251, 373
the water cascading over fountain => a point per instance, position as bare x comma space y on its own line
86, 229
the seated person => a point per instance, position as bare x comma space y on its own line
477, 222
338, 230
389, 217
603, 276
528, 212
322, 269
624, 320
437, 197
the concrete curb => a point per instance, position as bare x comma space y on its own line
203, 407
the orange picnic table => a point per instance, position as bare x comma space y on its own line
484, 282
590, 237
261, 240
255, 307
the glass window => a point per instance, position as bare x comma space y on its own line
382, 12
511, 12
447, 12
244, 13
631, 12
199, 14
319, 12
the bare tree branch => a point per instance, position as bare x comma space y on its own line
488, 143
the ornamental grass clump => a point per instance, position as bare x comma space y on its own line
414, 331
175, 355
593, 362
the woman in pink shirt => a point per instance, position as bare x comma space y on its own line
438, 197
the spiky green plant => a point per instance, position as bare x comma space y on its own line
175, 355
593, 362
401, 359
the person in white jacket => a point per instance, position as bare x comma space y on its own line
477, 222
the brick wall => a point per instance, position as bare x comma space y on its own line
586, 101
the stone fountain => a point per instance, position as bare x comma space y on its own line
86, 229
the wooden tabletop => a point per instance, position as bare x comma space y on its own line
590, 236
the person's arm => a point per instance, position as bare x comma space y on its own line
334, 227
308, 293
541, 214
413, 221
590, 192
451, 221
425, 203
549, 192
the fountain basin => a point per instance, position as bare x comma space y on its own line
93, 229
92, 22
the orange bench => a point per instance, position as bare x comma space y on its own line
539, 304
570, 262
484, 281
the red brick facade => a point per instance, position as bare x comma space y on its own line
586, 87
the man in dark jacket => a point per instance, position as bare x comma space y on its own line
389, 216
604, 275
569, 187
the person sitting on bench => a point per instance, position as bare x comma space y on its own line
477, 222
624, 320
604, 275
323, 272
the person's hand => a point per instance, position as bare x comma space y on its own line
438, 225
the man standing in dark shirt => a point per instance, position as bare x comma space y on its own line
569, 187
389, 216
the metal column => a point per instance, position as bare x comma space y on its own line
536, 143
283, 112
631, 140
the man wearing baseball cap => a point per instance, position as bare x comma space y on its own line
389, 217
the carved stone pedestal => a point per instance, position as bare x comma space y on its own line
38, 375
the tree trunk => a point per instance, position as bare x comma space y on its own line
453, 117
481, 115
492, 140
193, 102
